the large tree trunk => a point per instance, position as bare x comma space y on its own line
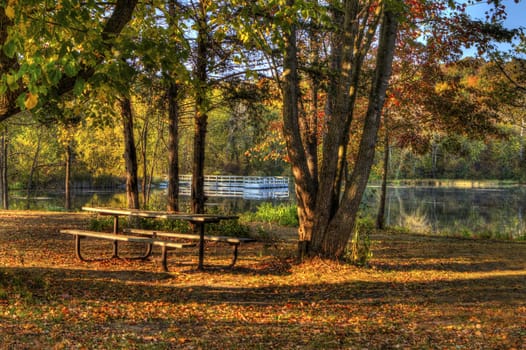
305, 182
130, 155
201, 112
332, 242
351, 45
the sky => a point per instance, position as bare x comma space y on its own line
516, 15
516, 12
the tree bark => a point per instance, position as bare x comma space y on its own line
173, 148
201, 112
3, 170
67, 192
130, 155
34, 165
333, 242
380, 217
305, 183
173, 132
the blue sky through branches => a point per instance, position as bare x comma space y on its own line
516, 17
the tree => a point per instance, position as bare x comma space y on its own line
353, 69
325, 222
85, 33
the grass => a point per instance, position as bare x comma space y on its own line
419, 292
281, 214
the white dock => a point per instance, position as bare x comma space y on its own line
250, 187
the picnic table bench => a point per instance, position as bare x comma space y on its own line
233, 241
150, 242
158, 238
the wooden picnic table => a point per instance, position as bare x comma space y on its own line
199, 220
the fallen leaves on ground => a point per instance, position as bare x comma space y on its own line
419, 292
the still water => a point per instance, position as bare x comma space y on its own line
490, 212
485, 211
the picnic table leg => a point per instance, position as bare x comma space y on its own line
234, 257
115, 230
164, 263
77, 248
200, 265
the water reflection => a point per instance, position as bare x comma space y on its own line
488, 212
496, 212
233, 201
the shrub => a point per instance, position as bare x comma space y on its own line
359, 250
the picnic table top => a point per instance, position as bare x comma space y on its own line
160, 214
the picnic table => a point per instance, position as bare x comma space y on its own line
156, 237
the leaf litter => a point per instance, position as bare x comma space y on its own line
418, 292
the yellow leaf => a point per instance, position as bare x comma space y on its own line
31, 101
10, 12
441, 87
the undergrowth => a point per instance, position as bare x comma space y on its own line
282, 214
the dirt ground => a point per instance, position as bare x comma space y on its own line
419, 292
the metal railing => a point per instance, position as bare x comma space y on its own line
240, 181
249, 187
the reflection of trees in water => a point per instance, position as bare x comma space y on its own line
415, 218
494, 213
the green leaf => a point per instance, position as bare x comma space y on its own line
54, 76
12, 82
3, 88
70, 69
79, 86
10, 48
20, 101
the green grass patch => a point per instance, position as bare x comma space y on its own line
282, 214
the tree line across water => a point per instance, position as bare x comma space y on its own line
306, 88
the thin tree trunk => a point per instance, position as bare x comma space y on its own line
130, 155
67, 192
144, 156
173, 95
380, 218
201, 113
32, 171
198, 178
154, 156
173, 148
3, 171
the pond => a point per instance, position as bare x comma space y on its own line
229, 201
483, 210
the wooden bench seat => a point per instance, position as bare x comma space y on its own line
149, 241
233, 241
